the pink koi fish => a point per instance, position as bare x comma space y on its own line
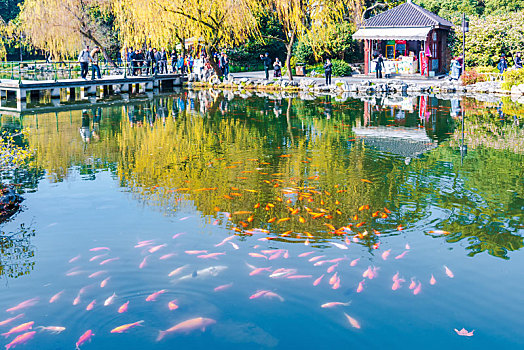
21, 339
176, 235
360, 287
432, 280
449, 272
195, 252
335, 303
156, 248
107, 261
417, 290
224, 241
354, 323
187, 326
259, 270
19, 329
318, 280
143, 263
56, 297
96, 274
96, 257
9, 320
354, 262
97, 249
75, 258
463, 332
210, 256
386, 254
172, 305
223, 287
23, 305
84, 338
400, 256
104, 282
303, 255
91, 305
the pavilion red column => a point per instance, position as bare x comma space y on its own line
366, 56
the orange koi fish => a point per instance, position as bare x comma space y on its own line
257, 255
96, 249
84, 338
96, 274
400, 256
153, 296
19, 329
126, 327
305, 254
54, 297
156, 248
104, 282
360, 287
75, 258
366, 181
259, 270
386, 254
354, 262
210, 256
417, 290
21, 339
96, 257
110, 300
123, 307
363, 207
195, 252
108, 261
91, 305
143, 263
432, 280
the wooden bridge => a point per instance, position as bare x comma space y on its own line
14, 94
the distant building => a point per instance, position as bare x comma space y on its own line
411, 39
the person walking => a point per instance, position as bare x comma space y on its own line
83, 58
174, 58
518, 60
277, 67
163, 61
328, 67
267, 64
455, 68
379, 66
94, 63
224, 63
502, 66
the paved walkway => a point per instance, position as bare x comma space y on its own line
423, 81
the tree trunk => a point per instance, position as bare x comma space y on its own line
104, 52
289, 47
210, 56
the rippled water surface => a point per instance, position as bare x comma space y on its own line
232, 208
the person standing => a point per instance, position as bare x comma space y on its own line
224, 64
379, 67
163, 61
455, 69
267, 64
518, 61
277, 67
174, 58
149, 61
502, 66
83, 58
328, 67
94, 64
180, 64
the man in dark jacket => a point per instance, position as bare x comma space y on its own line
149, 61
502, 66
328, 67
379, 67
518, 61
267, 63
163, 61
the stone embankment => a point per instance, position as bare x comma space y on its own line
387, 86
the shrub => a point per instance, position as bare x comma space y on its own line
341, 68
472, 77
513, 77
486, 69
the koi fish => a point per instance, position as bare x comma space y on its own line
223, 287
439, 232
84, 338
19, 329
449, 272
234, 245
126, 327
225, 240
360, 287
400, 256
107, 261
332, 268
295, 277
386, 254
203, 273
56, 297
143, 263
52, 329
354, 262
142, 244
259, 270
96, 274
270, 294
91, 305
305, 254
156, 248
195, 252
153, 296
123, 307
187, 326
75, 258
432, 280
318, 280
315, 258
23, 305
21, 339
9, 320
413, 284
176, 271
172, 305
257, 255
354, 323
333, 279
335, 303
282, 272
210, 256
167, 256
104, 282
463, 332
176, 235
110, 300
417, 290
97, 249
258, 294
396, 285
96, 257
338, 245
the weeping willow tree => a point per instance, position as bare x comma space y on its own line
300, 17
214, 23
62, 27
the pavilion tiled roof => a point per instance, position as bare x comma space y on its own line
407, 15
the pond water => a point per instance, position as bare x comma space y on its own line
240, 223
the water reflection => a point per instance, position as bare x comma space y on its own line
294, 167
17, 256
